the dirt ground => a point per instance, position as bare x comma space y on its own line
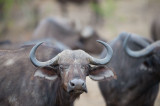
134, 16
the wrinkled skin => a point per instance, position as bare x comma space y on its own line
19, 87
66, 33
138, 79
22, 84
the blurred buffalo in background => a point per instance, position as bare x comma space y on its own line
9, 45
70, 34
57, 31
136, 62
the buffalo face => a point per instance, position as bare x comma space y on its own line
73, 66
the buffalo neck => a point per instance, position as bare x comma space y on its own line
63, 98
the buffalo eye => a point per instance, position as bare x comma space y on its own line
63, 67
85, 67
147, 64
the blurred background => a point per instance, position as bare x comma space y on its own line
20, 18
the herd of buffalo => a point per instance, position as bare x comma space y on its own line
51, 69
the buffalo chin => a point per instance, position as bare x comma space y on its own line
76, 91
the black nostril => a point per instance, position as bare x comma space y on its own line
82, 84
77, 84
72, 84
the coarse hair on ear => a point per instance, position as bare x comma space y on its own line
46, 73
101, 73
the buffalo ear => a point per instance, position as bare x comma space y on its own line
46, 73
102, 73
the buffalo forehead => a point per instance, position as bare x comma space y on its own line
73, 57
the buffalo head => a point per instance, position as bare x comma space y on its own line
86, 39
151, 53
69, 33
136, 63
72, 67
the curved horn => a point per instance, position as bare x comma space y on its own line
141, 53
37, 63
140, 40
105, 60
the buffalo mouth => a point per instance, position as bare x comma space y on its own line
76, 92
76, 86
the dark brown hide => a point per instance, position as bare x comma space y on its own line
22, 84
138, 79
21, 87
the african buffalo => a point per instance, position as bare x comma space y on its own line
66, 33
56, 82
136, 62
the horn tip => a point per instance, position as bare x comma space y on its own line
100, 41
40, 43
126, 40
